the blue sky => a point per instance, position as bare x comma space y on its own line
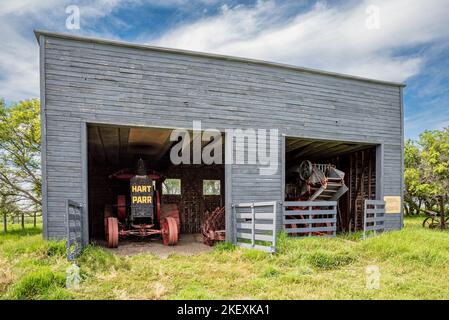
408, 43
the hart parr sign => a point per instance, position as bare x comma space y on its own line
143, 188
141, 199
141, 194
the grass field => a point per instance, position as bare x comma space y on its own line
414, 264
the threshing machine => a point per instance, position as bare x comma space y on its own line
321, 182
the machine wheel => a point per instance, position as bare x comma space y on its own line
112, 232
121, 207
305, 170
169, 229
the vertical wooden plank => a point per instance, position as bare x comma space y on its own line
401, 95
334, 233
364, 219
253, 225
229, 211
310, 217
369, 173
380, 172
356, 211
85, 184
43, 137
283, 164
275, 224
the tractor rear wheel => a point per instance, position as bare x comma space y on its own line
112, 232
121, 207
169, 229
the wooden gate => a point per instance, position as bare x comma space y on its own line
255, 225
310, 218
373, 216
74, 229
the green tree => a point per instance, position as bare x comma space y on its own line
20, 173
426, 173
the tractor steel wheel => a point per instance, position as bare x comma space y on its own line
112, 232
169, 229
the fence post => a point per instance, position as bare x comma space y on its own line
234, 225
253, 225
335, 221
275, 225
364, 219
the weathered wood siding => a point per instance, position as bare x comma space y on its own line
87, 81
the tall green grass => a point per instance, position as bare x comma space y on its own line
413, 264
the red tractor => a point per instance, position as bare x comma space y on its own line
139, 211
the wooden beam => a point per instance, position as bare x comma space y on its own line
296, 144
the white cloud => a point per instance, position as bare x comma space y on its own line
328, 37
19, 55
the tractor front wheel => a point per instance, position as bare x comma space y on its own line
169, 229
112, 232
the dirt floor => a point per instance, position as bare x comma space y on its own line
188, 244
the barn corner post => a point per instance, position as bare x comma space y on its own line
229, 209
380, 171
85, 183
401, 97
280, 210
41, 41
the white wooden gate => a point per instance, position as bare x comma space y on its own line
373, 216
255, 225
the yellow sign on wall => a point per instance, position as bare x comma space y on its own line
392, 204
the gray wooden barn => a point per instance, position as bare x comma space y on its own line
106, 103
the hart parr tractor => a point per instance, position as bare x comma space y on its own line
139, 212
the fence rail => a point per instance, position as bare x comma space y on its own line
74, 229
255, 225
310, 218
374, 216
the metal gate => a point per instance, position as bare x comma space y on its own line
255, 225
373, 216
74, 229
